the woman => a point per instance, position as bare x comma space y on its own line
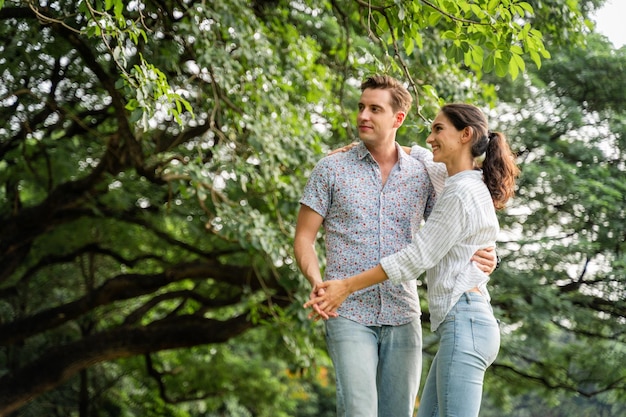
463, 221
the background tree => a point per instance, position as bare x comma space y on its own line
152, 155
562, 285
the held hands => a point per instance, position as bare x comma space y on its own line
317, 313
325, 298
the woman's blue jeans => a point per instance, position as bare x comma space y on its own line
377, 368
469, 340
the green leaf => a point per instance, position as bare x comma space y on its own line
417, 37
136, 115
409, 45
449, 34
477, 55
513, 68
489, 63
527, 7
401, 13
536, 58
518, 61
434, 18
502, 67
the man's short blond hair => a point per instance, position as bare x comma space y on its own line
401, 99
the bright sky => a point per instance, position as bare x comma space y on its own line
610, 22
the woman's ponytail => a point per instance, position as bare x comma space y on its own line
499, 169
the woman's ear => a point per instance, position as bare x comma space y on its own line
467, 134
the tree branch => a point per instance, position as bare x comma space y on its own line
123, 287
61, 363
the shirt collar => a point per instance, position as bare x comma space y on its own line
362, 152
464, 174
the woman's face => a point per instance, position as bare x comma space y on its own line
445, 140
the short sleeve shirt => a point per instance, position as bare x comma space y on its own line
365, 221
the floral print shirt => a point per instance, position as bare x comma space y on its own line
366, 220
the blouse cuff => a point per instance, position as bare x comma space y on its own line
392, 269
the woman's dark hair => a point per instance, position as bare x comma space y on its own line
499, 166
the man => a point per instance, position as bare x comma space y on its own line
369, 199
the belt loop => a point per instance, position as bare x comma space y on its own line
467, 297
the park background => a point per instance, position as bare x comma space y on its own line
152, 154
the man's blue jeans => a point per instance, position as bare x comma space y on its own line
469, 340
377, 368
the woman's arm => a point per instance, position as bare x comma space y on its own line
443, 229
336, 291
437, 171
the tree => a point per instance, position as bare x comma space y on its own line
561, 290
153, 154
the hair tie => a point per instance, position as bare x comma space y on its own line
491, 135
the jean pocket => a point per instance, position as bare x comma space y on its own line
486, 337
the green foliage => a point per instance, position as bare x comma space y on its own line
153, 153
561, 290
251, 375
484, 35
146, 83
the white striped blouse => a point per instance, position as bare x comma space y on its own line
463, 220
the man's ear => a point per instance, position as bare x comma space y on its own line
400, 116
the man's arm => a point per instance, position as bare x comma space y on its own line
307, 226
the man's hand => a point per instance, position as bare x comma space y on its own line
330, 296
486, 260
343, 148
317, 313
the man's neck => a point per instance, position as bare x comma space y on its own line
384, 153
386, 156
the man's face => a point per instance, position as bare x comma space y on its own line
376, 120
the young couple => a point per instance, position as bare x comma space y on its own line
371, 200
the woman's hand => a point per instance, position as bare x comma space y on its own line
317, 313
330, 294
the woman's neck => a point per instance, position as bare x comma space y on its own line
454, 167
